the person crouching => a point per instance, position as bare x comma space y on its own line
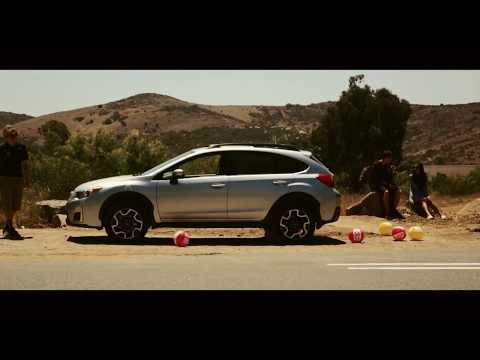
419, 199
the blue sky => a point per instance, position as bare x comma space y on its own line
42, 92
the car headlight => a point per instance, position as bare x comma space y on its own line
86, 193
82, 194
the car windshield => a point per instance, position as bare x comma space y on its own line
166, 163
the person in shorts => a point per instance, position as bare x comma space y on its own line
14, 176
382, 181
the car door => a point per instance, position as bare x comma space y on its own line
201, 195
255, 182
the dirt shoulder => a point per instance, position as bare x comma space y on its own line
333, 237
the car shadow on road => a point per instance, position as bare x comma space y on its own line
207, 241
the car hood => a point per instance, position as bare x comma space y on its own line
103, 182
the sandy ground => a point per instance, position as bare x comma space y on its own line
72, 241
75, 258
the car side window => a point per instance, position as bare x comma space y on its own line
287, 165
251, 163
208, 165
248, 163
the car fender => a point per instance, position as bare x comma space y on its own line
295, 196
128, 191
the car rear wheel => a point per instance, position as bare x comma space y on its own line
291, 223
126, 222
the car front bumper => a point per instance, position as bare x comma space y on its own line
77, 214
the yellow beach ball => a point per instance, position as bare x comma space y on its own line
385, 228
416, 233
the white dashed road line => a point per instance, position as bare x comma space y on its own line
410, 266
415, 268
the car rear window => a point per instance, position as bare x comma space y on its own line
314, 158
287, 165
251, 162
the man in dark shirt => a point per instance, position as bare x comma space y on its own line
14, 177
382, 181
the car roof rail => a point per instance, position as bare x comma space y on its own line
276, 146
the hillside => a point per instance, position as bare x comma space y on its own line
7, 118
153, 113
150, 113
445, 134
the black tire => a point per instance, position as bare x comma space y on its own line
291, 223
127, 222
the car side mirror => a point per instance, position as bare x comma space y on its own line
176, 174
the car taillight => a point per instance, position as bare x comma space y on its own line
327, 179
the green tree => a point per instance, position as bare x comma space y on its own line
101, 152
141, 154
55, 133
58, 175
362, 124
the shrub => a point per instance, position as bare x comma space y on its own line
31, 215
439, 161
55, 133
116, 116
458, 185
58, 175
85, 157
140, 154
342, 182
186, 109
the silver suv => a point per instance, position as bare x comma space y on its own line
280, 188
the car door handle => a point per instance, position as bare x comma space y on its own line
217, 186
279, 182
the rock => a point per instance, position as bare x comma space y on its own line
370, 205
56, 204
50, 208
60, 220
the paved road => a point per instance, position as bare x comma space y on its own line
72, 258
443, 268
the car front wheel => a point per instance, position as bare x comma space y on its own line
126, 222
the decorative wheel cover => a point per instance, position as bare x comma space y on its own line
126, 223
295, 223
